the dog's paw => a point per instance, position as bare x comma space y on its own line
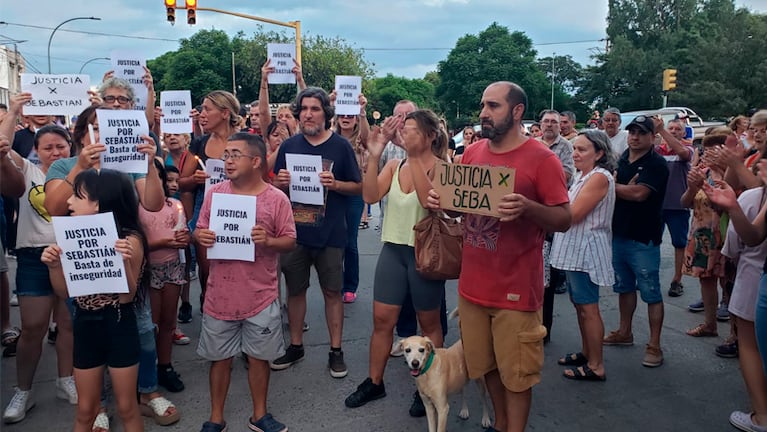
464, 413
486, 423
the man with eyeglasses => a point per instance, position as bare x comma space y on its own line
321, 230
242, 309
611, 120
640, 187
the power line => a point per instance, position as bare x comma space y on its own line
447, 49
91, 33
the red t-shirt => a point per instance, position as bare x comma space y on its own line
502, 264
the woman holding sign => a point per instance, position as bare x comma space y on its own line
105, 329
36, 297
396, 274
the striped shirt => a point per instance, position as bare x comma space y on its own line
587, 245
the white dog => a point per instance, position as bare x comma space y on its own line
440, 372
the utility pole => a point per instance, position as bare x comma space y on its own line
234, 79
552, 79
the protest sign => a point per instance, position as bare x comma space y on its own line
90, 263
130, 67
282, 56
348, 90
120, 131
305, 186
472, 188
216, 174
65, 95
232, 217
176, 106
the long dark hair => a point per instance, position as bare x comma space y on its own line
88, 116
116, 193
428, 123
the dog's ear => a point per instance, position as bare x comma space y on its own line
429, 343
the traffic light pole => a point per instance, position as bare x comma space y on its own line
665, 99
296, 25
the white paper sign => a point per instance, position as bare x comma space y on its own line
216, 174
176, 106
130, 67
282, 56
89, 260
120, 132
56, 94
232, 217
348, 90
305, 186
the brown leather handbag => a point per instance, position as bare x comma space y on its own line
438, 246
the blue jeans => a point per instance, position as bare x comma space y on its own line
351, 253
147, 365
760, 321
637, 268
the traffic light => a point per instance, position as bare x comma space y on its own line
191, 12
669, 79
170, 6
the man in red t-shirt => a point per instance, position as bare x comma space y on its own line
501, 283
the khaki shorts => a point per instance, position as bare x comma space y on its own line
329, 263
508, 340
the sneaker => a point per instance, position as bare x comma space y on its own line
17, 408
350, 297
14, 300
169, 378
653, 356
179, 338
306, 326
396, 349
267, 423
65, 389
696, 307
53, 332
416, 408
722, 314
10, 350
336, 364
366, 392
745, 422
185, 313
615, 338
727, 349
293, 354
676, 289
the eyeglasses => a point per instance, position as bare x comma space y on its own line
121, 99
347, 116
235, 156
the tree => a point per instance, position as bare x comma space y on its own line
384, 93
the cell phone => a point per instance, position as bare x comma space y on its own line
709, 179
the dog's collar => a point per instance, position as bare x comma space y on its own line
427, 365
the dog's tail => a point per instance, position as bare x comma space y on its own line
453, 314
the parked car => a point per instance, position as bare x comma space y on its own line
694, 121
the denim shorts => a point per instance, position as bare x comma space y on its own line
582, 289
678, 223
32, 277
637, 267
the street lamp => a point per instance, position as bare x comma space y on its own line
54, 32
93, 59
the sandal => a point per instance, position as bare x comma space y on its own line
102, 423
573, 359
158, 408
10, 336
364, 225
583, 373
702, 331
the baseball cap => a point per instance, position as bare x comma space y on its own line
642, 122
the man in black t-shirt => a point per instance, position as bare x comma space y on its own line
637, 230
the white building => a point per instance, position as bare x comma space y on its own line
11, 67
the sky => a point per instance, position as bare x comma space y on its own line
402, 37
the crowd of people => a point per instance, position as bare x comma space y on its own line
588, 211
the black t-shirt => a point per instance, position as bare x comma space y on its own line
23, 142
323, 226
641, 221
451, 144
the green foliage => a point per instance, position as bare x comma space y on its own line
384, 93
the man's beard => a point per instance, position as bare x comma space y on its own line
311, 131
496, 133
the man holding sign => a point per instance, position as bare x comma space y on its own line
501, 283
241, 312
321, 228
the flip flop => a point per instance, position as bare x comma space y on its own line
584, 373
701, 331
573, 359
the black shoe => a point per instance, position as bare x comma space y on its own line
293, 354
336, 364
10, 349
676, 289
185, 313
168, 378
727, 350
366, 392
416, 408
53, 333
560, 289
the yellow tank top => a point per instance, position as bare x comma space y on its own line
403, 211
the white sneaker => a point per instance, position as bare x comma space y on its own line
65, 389
14, 300
396, 349
17, 408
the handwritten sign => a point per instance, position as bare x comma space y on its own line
56, 94
282, 56
348, 90
89, 260
176, 106
130, 67
305, 186
472, 188
120, 132
216, 174
232, 217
